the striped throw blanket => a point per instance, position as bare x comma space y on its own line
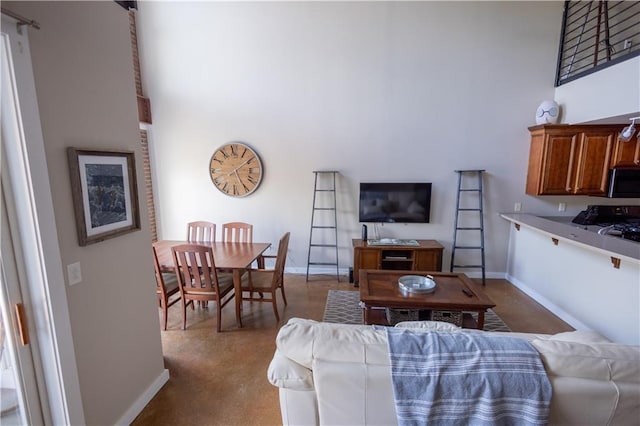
466, 379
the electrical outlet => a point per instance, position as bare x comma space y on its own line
627, 44
517, 207
562, 207
74, 273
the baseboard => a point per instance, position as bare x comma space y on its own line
488, 275
557, 311
345, 272
129, 416
317, 271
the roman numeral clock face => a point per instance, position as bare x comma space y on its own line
236, 169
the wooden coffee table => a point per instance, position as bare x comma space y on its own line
379, 289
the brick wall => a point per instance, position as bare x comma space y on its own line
144, 141
134, 47
148, 185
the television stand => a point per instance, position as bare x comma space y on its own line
423, 255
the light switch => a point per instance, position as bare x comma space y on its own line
74, 273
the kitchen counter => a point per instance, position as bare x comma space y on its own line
560, 227
590, 281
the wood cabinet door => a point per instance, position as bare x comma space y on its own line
626, 153
558, 159
594, 156
428, 260
369, 259
364, 259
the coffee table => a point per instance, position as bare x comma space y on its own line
379, 289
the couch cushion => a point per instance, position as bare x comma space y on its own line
593, 383
354, 393
608, 361
580, 336
303, 340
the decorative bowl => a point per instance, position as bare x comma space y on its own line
418, 284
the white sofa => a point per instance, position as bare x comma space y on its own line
338, 374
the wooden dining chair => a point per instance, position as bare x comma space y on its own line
240, 232
201, 231
166, 287
198, 279
268, 280
237, 232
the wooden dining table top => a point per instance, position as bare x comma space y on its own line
226, 255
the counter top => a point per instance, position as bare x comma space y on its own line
562, 228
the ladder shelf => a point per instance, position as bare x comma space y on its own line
323, 233
472, 242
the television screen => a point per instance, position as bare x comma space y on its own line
395, 202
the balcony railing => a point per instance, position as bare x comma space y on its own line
596, 35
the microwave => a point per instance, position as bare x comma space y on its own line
624, 182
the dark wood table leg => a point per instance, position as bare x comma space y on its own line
237, 288
480, 320
367, 314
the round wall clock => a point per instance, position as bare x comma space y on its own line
235, 169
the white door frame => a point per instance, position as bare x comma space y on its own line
24, 366
38, 240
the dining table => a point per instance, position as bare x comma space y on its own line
233, 256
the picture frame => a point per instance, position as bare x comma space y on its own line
105, 193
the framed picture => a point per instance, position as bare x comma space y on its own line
105, 194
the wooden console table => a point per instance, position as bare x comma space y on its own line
426, 256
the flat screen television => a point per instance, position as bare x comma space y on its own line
395, 202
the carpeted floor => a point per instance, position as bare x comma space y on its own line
343, 307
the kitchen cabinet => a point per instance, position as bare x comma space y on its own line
426, 256
626, 153
571, 159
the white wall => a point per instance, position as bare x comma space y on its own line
601, 94
84, 80
381, 91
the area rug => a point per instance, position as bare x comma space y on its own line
343, 307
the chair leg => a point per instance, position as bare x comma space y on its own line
219, 315
184, 314
250, 287
275, 306
164, 303
283, 296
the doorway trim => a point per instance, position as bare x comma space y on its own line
29, 181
